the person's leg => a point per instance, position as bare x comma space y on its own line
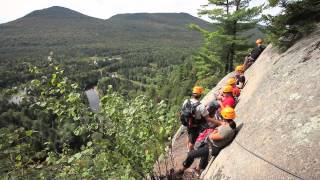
204, 158
201, 152
250, 61
192, 136
245, 63
248, 65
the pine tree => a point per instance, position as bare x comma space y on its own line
227, 43
296, 20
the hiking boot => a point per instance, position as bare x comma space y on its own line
178, 174
196, 172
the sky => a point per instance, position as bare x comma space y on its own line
104, 9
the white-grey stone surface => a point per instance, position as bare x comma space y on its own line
280, 111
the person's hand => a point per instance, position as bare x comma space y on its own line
215, 131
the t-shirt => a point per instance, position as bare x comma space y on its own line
255, 53
227, 133
201, 110
236, 91
228, 101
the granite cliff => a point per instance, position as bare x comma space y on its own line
280, 115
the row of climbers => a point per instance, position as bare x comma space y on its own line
210, 128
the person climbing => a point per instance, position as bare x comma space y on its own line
235, 90
239, 75
215, 140
255, 53
223, 100
195, 116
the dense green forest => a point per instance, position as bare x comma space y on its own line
143, 66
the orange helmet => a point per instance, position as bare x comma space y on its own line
240, 68
227, 89
259, 41
228, 113
197, 90
231, 81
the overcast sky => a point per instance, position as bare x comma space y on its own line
14, 9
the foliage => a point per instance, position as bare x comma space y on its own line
52, 134
122, 140
297, 19
227, 44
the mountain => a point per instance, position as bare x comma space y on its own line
57, 12
65, 30
145, 43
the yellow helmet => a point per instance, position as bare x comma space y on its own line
197, 90
259, 41
231, 81
227, 89
228, 113
240, 68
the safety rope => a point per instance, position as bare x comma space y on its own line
259, 157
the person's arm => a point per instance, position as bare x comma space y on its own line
219, 97
242, 80
240, 85
221, 105
213, 120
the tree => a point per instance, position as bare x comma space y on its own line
297, 19
227, 43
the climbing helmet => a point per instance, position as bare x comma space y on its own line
227, 89
197, 90
228, 113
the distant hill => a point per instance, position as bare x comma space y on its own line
65, 30
144, 43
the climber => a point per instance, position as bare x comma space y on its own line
224, 99
235, 91
255, 53
195, 116
214, 141
241, 79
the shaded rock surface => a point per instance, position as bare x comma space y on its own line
280, 111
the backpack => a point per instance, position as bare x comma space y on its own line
188, 113
202, 137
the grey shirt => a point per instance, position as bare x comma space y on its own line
201, 110
227, 133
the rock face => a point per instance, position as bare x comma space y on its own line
280, 111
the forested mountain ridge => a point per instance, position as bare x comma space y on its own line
137, 46
62, 29
162, 39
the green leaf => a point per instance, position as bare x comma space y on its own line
70, 160
89, 143
29, 133
78, 155
19, 157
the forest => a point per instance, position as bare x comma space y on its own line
142, 78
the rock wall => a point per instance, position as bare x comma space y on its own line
280, 111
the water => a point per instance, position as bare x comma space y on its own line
93, 98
